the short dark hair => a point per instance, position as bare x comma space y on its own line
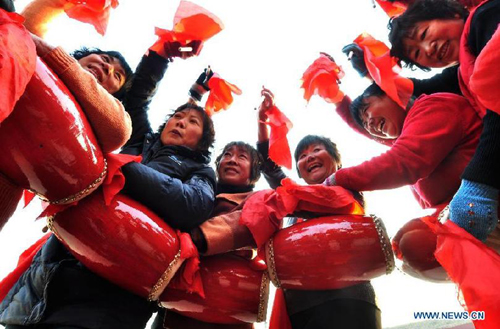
84, 52
309, 140
359, 104
402, 27
255, 159
208, 136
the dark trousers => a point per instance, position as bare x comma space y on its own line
339, 314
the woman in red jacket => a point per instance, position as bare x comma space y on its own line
431, 143
439, 34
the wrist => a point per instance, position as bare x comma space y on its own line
330, 180
198, 239
479, 189
197, 91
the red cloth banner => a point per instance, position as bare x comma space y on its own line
17, 61
94, 12
191, 22
384, 69
322, 78
221, 95
392, 9
264, 210
279, 149
473, 266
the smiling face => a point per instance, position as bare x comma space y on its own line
315, 164
235, 167
106, 69
435, 43
382, 117
184, 128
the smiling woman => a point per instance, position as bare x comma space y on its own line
234, 166
276, 59
378, 114
432, 143
475, 44
107, 69
238, 169
174, 180
428, 34
316, 158
435, 43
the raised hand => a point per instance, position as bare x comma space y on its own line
176, 49
266, 104
356, 55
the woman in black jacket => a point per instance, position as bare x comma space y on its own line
173, 179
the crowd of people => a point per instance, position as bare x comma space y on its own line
442, 144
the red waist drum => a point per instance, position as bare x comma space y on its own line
234, 292
124, 242
329, 253
48, 145
414, 245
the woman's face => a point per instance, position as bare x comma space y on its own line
315, 164
184, 128
106, 69
383, 117
435, 43
235, 167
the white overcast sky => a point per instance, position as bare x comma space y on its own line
267, 43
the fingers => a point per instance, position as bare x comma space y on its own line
184, 51
209, 73
268, 100
266, 92
196, 46
353, 51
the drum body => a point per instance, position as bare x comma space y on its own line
48, 145
125, 242
414, 245
329, 253
234, 292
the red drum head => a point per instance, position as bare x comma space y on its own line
47, 143
329, 253
414, 245
234, 293
124, 242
